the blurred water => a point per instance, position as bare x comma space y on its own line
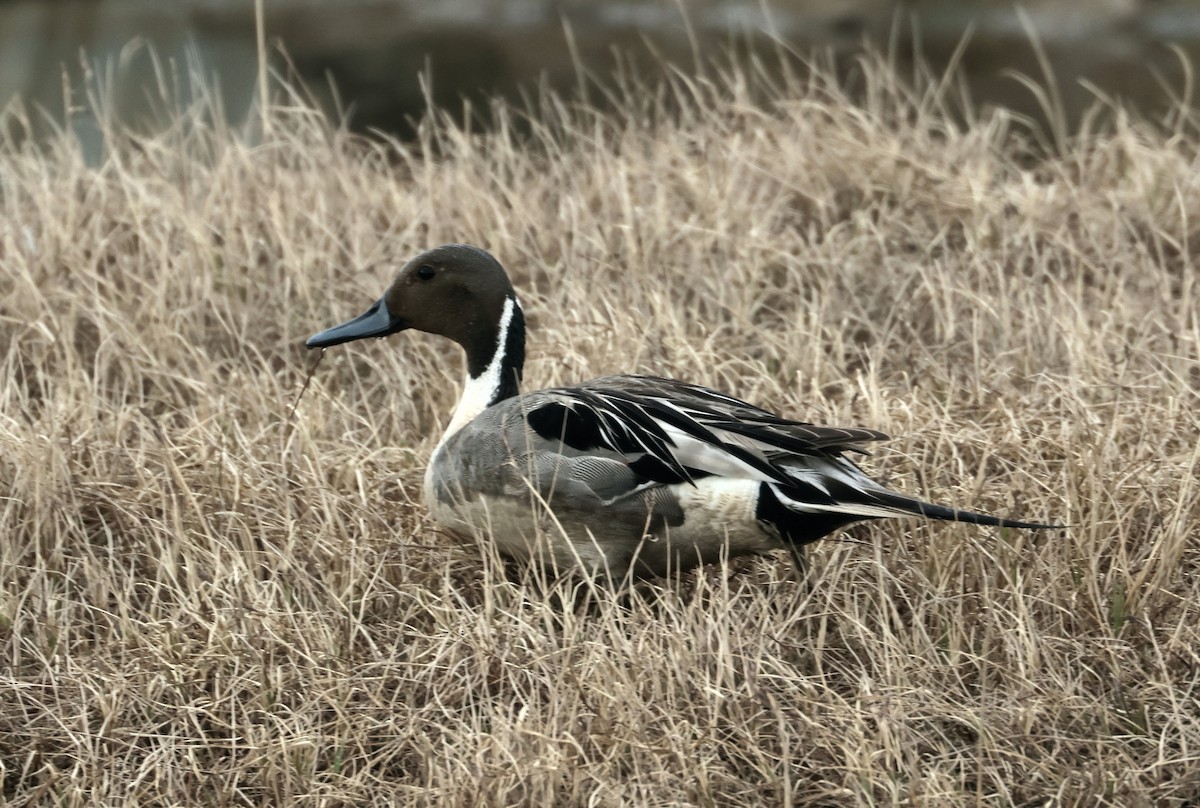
375, 51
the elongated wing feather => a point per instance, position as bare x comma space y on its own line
675, 432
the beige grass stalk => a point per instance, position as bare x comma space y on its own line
204, 603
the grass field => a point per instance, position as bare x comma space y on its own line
208, 599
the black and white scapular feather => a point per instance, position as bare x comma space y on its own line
622, 474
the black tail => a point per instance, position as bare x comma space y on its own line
932, 511
802, 515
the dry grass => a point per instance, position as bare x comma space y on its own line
206, 603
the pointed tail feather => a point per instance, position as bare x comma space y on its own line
803, 515
932, 511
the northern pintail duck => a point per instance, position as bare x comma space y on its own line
623, 474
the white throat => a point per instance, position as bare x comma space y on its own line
480, 391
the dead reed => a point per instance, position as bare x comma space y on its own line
205, 602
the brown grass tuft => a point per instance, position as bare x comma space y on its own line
206, 602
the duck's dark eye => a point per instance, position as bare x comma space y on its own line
426, 272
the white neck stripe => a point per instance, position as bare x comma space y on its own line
480, 391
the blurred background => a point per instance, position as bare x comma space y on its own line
379, 63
